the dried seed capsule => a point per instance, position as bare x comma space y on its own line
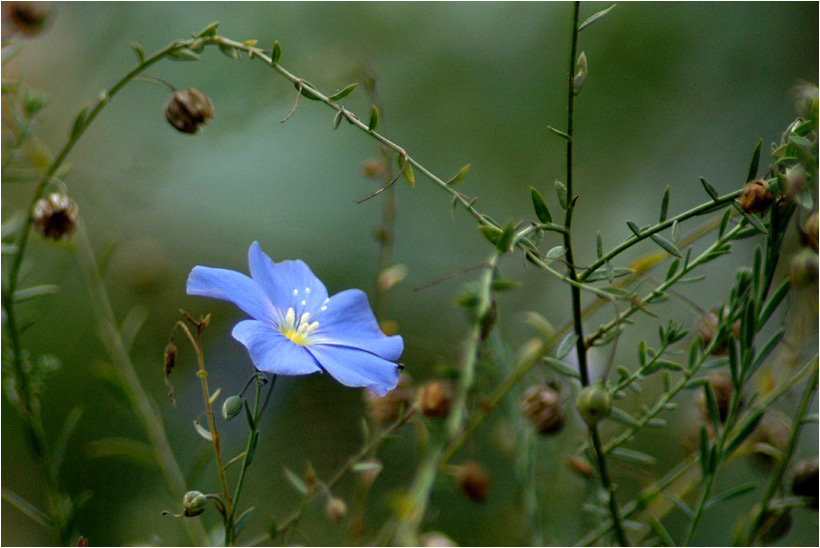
541, 405
386, 408
28, 18
55, 216
755, 197
804, 483
721, 385
434, 399
473, 480
188, 109
810, 230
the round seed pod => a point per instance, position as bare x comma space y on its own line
188, 109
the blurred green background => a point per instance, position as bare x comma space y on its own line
675, 91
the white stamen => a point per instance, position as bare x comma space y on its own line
323, 308
295, 292
304, 303
307, 290
290, 319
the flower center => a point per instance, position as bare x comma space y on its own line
298, 331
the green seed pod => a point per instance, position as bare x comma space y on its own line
194, 503
231, 407
594, 402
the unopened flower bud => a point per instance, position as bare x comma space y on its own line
386, 408
810, 231
434, 399
55, 216
594, 403
755, 197
804, 483
473, 480
541, 405
436, 539
193, 504
231, 407
188, 109
336, 509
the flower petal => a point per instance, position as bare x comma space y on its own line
232, 286
279, 280
271, 351
353, 367
348, 321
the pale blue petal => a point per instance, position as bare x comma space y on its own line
348, 321
232, 286
279, 280
271, 351
356, 368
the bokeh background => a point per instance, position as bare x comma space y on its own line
675, 91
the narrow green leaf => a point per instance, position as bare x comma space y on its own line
724, 222
79, 122
60, 444
504, 242
343, 93
337, 120
669, 365
374, 119
28, 509
210, 30
734, 364
631, 455
367, 466
661, 531
595, 17
623, 417
459, 176
668, 246
753, 165
276, 54
664, 205
673, 268
561, 368
540, 206
634, 228
675, 236
561, 190
297, 482
710, 190
656, 422
679, 504
183, 54
407, 171
22, 295
560, 133
491, 233
730, 494
307, 90
242, 520
135, 451
765, 351
139, 51
599, 245
711, 407
249, 416
704, 450
752, 219
642, 353
556, 252
566, 345
601, 274
229, 51
131, 325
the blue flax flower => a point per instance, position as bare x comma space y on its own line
297, 330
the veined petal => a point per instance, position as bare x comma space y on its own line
279, 280
357, 368
348, 321
229, 285
271, 351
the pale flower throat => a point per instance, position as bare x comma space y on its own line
300, 331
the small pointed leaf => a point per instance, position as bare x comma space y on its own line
664, 205
755, 162
540, 206
560, 133
22, 295
596, 16
668, 246
561, 191
374, 119
561, 368
566, 345
459, 176
139, 51
297, 482
710, 190
343, 93
276, 54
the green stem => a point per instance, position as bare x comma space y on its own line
774, 483
140, 401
